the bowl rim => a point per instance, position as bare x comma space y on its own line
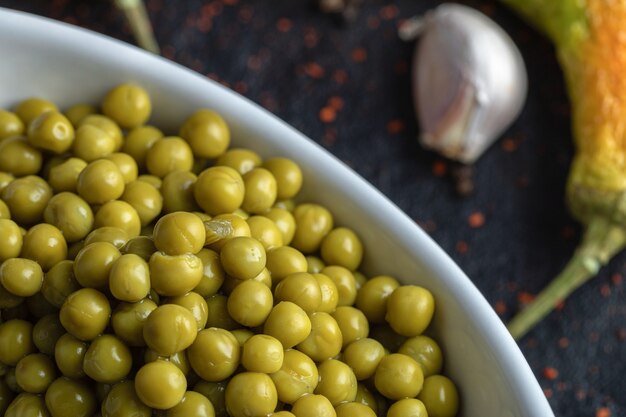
505, 350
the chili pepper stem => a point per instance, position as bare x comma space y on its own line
137, 17
602, 239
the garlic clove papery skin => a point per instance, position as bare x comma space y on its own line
469, 82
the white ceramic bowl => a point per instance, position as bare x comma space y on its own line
39, 57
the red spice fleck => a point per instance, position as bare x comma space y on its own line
605, 290
500, 307
568, 233
310, 37
550, 373
241, 87
401, 67
563, 342
245, 14
525, 297
284, 25
509, 145
560, 386
440, 168
476, 219
328, 114
547, 392
560, 305
620, 334
204, 25
594, 336
429, 226
330, 136
230, 2
254, 63
335, 102
373, 22
388, 12
617, 279
314, 70
340, 76
581, 394
168, 51
462, 247
522, 182
488, 9
532, 342
603, 412
359, 55
395, 126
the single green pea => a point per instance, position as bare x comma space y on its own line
207, 133
51, 131
122, 401
34, 373
66, 397
127, 104
440, 396
10, 124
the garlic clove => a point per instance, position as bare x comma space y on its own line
469, 82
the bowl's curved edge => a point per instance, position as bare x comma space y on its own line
137, 64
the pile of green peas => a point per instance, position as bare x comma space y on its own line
143, 274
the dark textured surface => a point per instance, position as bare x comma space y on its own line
348, 88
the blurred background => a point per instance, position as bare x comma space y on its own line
347, 85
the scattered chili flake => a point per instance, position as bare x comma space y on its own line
373, 22
314, 70
284, 25
429, 226
327, 114
462, 247
605, 290
254, 63
230, 2
500, 307
335, 102
581, 394
440, 168
594, 336
532, 342
245, 14
204, 25
488, 9
603, 412
476, 220
568, 232
547, 392
154, 5
359, 55
560, 305
522, 182
340, 76
550, 373
388, 12
620, 334
395, 126
617, 279
524, 297
330, 136
241, 87
563, 342
168, 51
509, 145
310, 37
401, 67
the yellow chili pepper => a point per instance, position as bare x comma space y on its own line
590, 41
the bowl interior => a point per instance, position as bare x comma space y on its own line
69, 65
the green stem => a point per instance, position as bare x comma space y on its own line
601, 241
135, 12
